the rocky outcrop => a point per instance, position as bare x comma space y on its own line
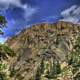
46, 52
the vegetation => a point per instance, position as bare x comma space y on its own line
54, 56
5, 53
51, 70
40, 70
2, 23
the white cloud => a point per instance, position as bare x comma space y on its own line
28, 10
66, 12
4, 4
71, 14
17, 3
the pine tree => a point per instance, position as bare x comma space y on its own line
40, 70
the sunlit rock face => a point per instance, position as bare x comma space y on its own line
46, 52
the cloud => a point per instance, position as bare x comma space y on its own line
29, 11
21, 13
71, 14
17, 14
5, 4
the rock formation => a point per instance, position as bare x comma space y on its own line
46, 52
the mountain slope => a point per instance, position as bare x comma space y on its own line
46, 52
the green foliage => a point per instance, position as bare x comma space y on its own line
71, 68
2, 76
75, 55
40, 71
2, 23
77, 77
2, 73
5, 51
2, 66
56, 69
74, 61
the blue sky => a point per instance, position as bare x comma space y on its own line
22, 13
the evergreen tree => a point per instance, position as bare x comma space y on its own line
40, 70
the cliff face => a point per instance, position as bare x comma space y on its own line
46, 52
